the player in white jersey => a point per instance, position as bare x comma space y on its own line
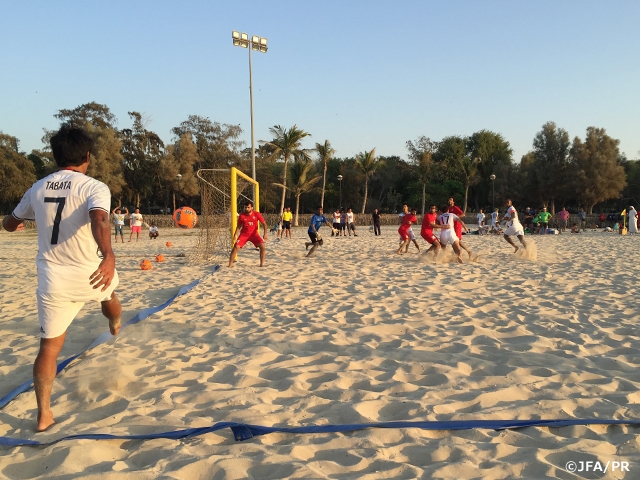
514, 227
480, 219
448, 235
75, 262
494, 220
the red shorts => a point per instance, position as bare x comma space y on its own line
428, 236
254, 238
137, 229
404, 232
457, 227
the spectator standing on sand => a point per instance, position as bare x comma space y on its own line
543, 218
528, 220
136, 224
583, 219
351, 222
119, 217
343, 222
480, 218
336, 223
633, 220
563, 217
375, 217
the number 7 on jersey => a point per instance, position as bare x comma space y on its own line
56, 221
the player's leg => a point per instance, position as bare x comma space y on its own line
44, 372
116, 234
456, 248
521, 238
131, 234
508, 239
263, 253
112, 310
403, 246
416, 244
234, 253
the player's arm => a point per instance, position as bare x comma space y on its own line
264, 226
101, 231
463, 225
10, 223
235, 234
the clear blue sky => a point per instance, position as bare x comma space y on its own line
361, 74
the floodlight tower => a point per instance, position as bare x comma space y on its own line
258, 44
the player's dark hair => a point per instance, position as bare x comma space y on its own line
444, 208
318, 207
246, 204
70, 145
431, 206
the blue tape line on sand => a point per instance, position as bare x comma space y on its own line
104, 337
243, 431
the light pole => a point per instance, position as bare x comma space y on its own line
258, 44
493, 192
340, 180
179, 177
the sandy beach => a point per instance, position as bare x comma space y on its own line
355, 334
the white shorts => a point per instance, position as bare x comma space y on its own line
514, 228
55, 316
448, 237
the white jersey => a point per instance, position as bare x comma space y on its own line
67, 252
349, 217
514, 227
136, 219
119, 218
448, 235
494, 219
336, 217
480, 218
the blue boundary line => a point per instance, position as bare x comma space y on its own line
242, 431
102, 338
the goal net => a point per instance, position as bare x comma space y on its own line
223, 192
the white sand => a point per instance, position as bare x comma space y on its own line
355, 334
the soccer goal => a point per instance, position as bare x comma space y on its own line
223, 192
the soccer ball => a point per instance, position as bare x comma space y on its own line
185, 217
169, 244
145, 265
160, 258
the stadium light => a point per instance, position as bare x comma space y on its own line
258, 44
179, 177
340, 180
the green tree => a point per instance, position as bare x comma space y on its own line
456, 163
17, 173
141, 153
367, 163
599, 174
99, 122
217, 144
551, 152
325, 153
301, 180
287, 144
421, 154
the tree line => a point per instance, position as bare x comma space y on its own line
478, 170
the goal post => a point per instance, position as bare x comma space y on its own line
222, 191
235, 173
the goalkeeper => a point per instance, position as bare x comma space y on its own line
316, 222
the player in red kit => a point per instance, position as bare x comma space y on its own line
407, 220
249, 226
429, 222
457, 226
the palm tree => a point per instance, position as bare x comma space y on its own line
468, 168
301, 181
325, 153
287, 144
367, 163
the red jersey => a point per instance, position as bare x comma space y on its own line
249, 222
409, 217
427, 220
455, 210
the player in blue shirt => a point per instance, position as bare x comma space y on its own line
316, 222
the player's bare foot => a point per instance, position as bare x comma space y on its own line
114, 326
45, 421
516, 249
469, 253
460, 260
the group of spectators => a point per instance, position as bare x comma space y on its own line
135, 221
